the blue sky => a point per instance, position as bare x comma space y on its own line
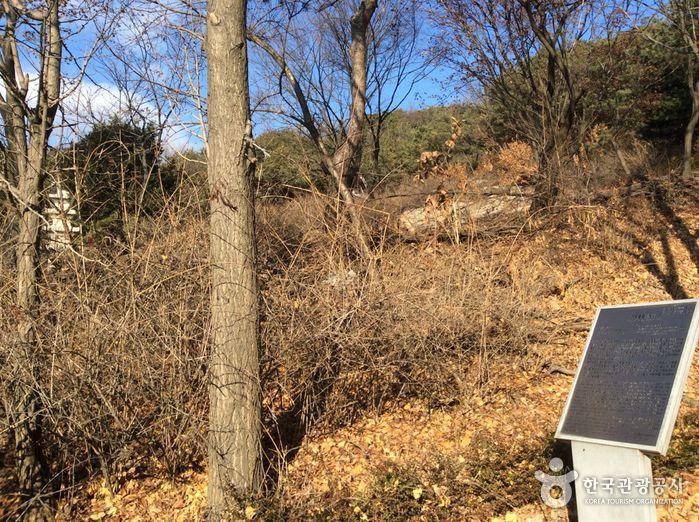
100, 94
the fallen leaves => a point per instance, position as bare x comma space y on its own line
505, 419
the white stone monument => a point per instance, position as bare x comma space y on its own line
61, 216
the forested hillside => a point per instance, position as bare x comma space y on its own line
338, 260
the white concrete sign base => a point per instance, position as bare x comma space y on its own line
610, 484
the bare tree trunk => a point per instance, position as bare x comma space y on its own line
375, 123
234, 437
347, 157
31, 467
338, 165
376, 155
28, 131
561, 126
351, 149
688, 163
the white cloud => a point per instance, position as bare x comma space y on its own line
88, 103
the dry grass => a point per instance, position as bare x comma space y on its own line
124, 331
124, 337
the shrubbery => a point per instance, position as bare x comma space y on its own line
115, 170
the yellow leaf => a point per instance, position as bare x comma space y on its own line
362, 515
357, 469
417, 493
250, 512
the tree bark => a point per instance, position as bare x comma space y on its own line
338, 164
351, 149
235, 424
562, 128
457, 217
347, 157
688, 162
376, 129
27, 133
32, 470
376, 155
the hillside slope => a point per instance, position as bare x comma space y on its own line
432, 452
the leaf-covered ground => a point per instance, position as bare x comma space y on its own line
475, 458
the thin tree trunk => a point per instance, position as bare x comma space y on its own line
347, 199
376, 143
351, 149
561, 134
547, 187
234, 436
31, 467
337, 165
376, 155
688, 162
28, 140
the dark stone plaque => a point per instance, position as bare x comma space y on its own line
624, 386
